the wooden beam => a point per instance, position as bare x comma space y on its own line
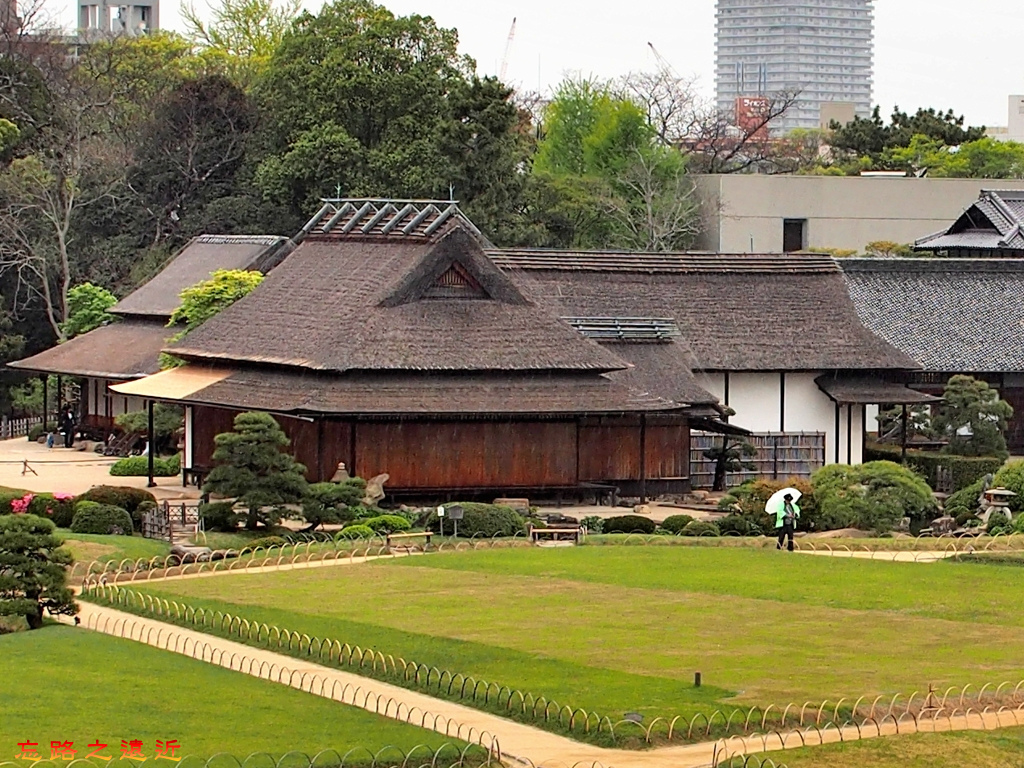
643, 458
152, 446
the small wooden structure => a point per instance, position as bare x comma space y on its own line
557, 533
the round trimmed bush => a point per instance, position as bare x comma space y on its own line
356, 532
387, 524
676, 523
701, 528
122, 496
219, 516
1011, 477
482, 520
629, 524
103, 519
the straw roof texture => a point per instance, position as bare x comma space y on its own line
349, 304
202, 256
127, 349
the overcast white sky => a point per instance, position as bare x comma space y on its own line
941, 53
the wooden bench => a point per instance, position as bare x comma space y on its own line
557, 533
193, 476
425, 535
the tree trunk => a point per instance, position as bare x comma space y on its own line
721, 465
35, 618
252, 521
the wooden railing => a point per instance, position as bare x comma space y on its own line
10, 428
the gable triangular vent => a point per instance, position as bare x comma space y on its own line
455, 283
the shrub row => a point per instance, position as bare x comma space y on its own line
963, 470
62, 508
138, 466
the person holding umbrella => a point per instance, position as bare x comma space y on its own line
783, 504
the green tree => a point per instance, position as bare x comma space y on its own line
33, 570
733, 454
254, 468
973, 418
888, 249
332, 502
872, 497
242, 33
206, 299
167, 421
87, 309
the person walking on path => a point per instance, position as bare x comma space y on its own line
67, 426
785, 520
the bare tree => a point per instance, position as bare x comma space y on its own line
66, 163
658, 208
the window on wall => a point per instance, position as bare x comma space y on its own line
794, 235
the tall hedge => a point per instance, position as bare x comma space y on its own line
964, 470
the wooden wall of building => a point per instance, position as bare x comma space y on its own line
474, 454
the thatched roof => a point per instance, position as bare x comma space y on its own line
950, 315
202, 256
128, 349
747, 312
401, 304
869, 390
307, 393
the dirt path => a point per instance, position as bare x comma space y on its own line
890, 557
518, 743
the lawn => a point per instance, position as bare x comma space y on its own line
624, 629
995, 749
86, 547
74, 685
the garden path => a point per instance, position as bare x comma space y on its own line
519, 743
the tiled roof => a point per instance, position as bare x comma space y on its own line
951, 315
994, 222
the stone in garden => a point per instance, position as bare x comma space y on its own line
192, 554
341, 474
522, 505
375, 490
945, 524
642, 509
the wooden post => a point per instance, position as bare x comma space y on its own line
839, 428
46, 398
643, 458
60, 396
849, 433
903, 442
152, 446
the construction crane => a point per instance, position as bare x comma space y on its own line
663, 62
508, 50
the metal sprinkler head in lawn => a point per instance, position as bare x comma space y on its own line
636, 717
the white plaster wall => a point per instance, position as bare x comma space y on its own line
808, 409
755, 398
871, 419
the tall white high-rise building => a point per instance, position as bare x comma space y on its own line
821, 48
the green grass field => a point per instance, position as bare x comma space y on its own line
624, 629
75, 685
86, 547
998, 749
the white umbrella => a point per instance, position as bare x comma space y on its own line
778, 499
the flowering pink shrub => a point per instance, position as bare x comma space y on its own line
63, 496
20, 506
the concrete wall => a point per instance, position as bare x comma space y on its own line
760, 407
744, 212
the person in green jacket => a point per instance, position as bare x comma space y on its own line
785, 520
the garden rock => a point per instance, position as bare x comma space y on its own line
942, 525
375, 489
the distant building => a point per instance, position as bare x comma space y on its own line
101, 17
1014, 128
821, 48
757, 213
992, 226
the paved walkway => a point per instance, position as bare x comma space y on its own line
892, 557
521, 743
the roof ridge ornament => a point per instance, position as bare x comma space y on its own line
387, 218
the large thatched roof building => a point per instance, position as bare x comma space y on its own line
396, 339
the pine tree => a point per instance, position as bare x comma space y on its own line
973, 418
254, 469
33, 576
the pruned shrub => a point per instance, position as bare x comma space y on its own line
482, 520
592, 523
104, 519
38, 430
356, 532
739, 525
267, 542
122, 496
872, 497
138, 466
998, 523
629, 524
385, 524
676, 523
219, 516
962, 470
963, 505
749, 500
701, 528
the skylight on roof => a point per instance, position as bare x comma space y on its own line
625, 328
